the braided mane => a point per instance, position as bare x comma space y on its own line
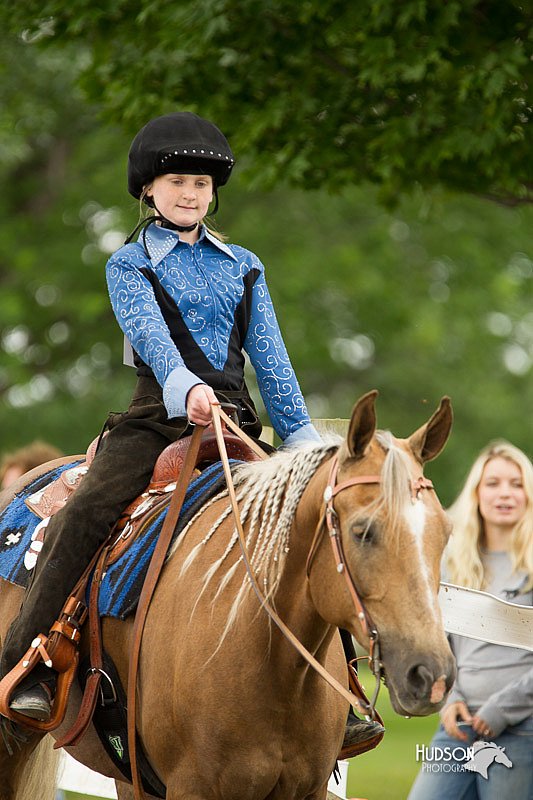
268, 493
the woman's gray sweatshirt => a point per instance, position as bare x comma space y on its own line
495, 682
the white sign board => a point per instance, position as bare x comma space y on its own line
479, 615
339, 789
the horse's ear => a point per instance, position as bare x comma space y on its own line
428, 441
362, 425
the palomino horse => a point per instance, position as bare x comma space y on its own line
227, 709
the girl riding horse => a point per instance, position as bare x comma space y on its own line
188, 303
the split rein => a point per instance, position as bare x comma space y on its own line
332, 524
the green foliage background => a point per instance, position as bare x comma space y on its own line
321, 91
432, 297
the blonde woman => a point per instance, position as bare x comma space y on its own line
491, 549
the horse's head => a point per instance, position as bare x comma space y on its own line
392, 531
501, 757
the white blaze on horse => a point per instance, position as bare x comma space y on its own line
227, 709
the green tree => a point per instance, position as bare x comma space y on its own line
322, 93
61, 178
431, 298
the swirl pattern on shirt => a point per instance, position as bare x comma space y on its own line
206, 283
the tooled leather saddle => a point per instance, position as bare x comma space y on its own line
53, 497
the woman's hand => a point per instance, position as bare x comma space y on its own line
481, 727
451, 714
199, 401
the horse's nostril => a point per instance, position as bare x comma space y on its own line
420, 680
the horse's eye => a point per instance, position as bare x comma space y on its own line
362, 531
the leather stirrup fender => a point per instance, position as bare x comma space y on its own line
58, 650
90, 694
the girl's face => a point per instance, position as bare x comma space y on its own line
182, 199
501, 495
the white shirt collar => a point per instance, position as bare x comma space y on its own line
160, 241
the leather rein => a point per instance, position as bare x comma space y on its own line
354, 700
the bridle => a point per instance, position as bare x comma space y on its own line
331, 520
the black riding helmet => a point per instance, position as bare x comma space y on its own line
180, 142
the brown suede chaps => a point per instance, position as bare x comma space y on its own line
121, 470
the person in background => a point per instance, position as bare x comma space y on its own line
491, 549
14, 465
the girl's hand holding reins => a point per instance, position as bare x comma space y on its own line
450, 716
199, 402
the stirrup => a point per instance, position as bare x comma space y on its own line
59, 651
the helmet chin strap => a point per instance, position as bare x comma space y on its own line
166, 223
171, 226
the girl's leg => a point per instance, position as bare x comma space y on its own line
120, 471
357, 730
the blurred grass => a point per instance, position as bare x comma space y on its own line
388, 772
76, 796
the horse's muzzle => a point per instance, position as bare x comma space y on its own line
419, 686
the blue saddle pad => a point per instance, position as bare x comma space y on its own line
120, 590
17, 524
121, 587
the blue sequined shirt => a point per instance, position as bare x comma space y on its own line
204, 286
